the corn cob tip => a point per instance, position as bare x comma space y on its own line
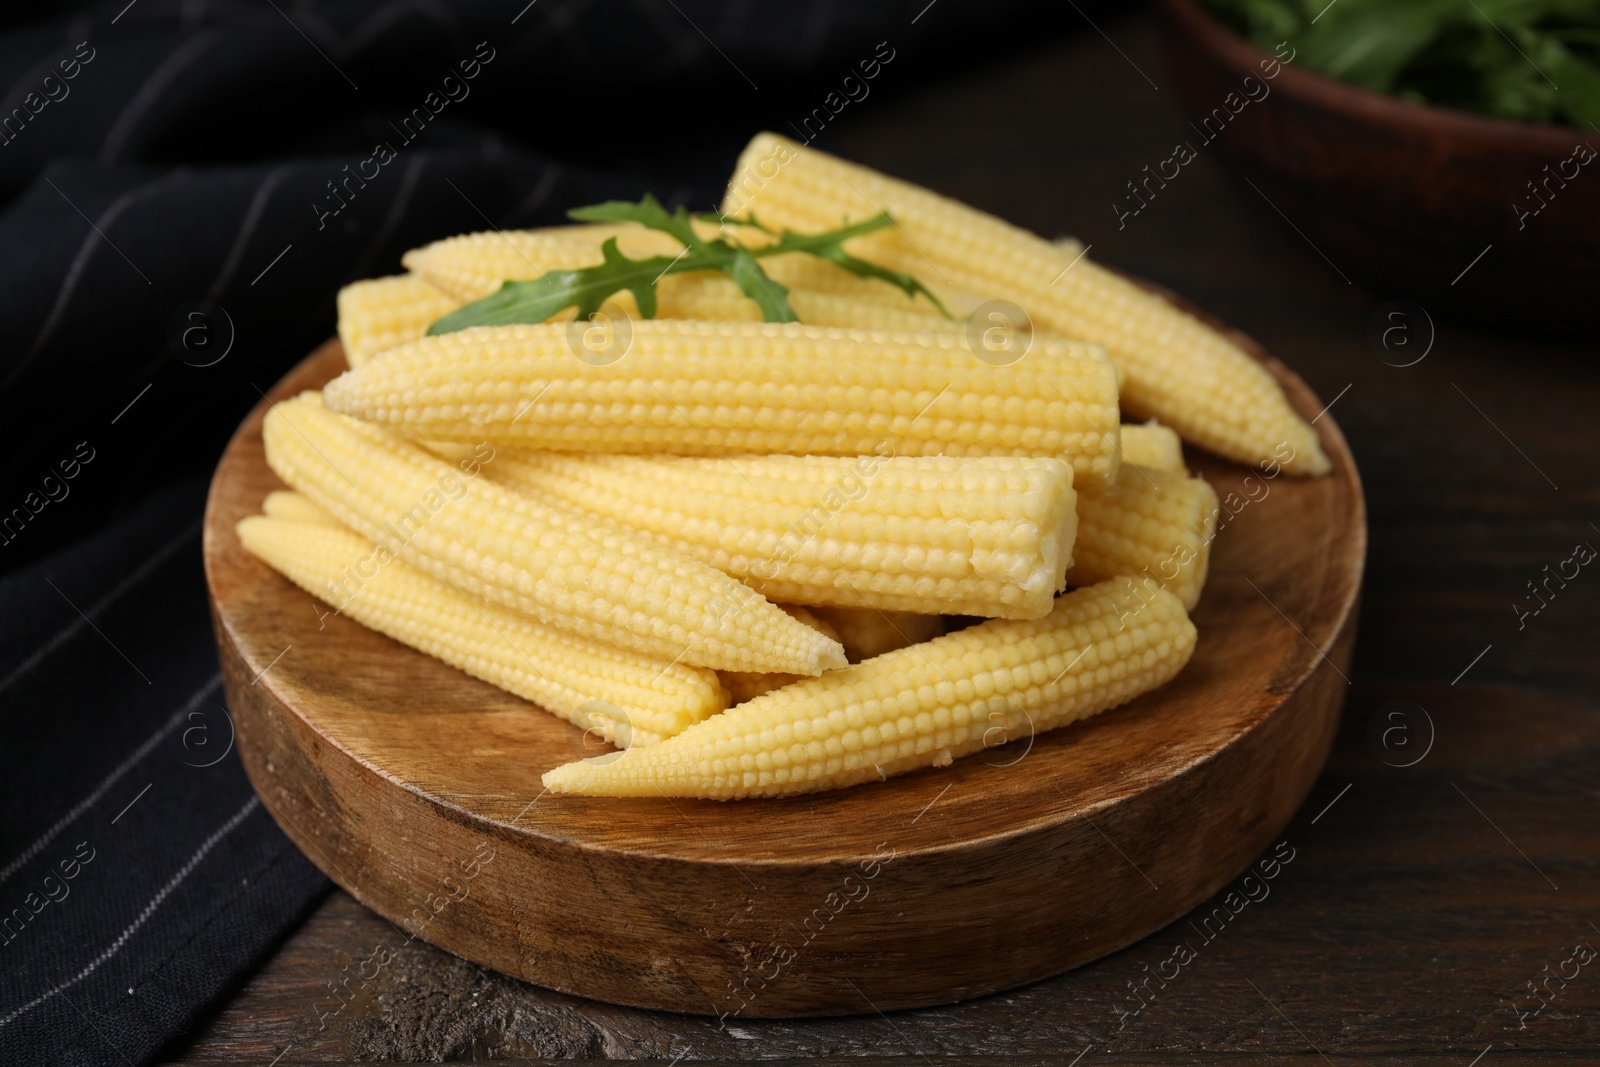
295, 507
747, 685
1100, 647
245, 529
1298, 453
1312, 462
580, 777
338, 389
623, 697
869, 632
823, 654
1170, 363
568, 570
827, 651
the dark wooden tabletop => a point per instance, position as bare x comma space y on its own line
1433, 913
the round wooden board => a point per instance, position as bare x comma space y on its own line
417, 789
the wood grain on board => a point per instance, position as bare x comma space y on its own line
416, 789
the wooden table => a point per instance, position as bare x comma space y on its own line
1422, 900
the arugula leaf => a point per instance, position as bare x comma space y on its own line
648, 212
830, 246
770, 296
723, 220
1493, 57
585, 289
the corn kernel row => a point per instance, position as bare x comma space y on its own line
712, 388
1152, 446
568, 675
1149, 524
989, 536
921, 706
1179, 370
379, 313
747, 685
566, 569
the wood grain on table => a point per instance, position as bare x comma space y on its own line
1422, 902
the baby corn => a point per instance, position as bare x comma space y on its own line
380, 313
746, 685
868, 632
1150, 525
295, 507
716, 297
864, 633
475, 265
989, 536
710, 388
1152, 446
563, 673
917, 707
565, 569
1179, 370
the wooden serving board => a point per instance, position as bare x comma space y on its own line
417, 789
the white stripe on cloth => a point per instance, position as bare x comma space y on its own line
178, 717
149, 909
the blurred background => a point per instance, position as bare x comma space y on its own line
194, 143
1400, 200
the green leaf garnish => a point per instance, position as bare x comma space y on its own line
586, 288
830, 246
1531, 60
647, 212
770, 296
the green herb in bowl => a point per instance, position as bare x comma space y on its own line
1530, 60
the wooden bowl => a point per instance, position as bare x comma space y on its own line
1398, 195
417, 789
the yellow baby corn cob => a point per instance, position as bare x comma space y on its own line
811, 619
809, 277
561, 672
829, 295
920, 706
1150, 525
380, 313
1178, 369
868, 632
1152, 446
474, 265
746, 685
295, 507
565, 569
814, 275
701, 295
988, 536
711, 388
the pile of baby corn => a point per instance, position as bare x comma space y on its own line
765, 559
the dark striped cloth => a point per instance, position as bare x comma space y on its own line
184, 188
150, 871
